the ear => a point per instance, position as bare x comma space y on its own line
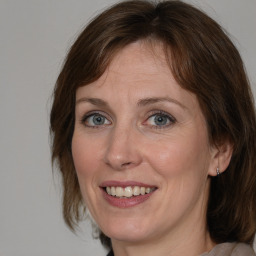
220, 158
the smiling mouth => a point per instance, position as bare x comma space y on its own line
129, 191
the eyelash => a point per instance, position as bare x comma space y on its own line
162, 114
91, 114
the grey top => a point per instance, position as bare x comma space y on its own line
225, 249
231, 249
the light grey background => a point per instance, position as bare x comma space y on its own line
35, 36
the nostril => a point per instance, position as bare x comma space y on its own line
126, 164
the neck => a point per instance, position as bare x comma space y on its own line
187, 244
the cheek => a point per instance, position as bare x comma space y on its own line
180, 155
182, 166
86, 156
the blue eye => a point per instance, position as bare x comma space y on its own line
95, 120
160, 120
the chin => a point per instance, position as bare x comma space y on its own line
128, 236
126, 232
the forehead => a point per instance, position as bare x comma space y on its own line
139, 60
138, 70
135, 66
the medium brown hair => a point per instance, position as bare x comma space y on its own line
204, 61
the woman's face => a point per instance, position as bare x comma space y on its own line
141, 149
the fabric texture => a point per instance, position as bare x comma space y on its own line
231, 249
225, 249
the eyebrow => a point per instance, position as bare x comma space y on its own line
149, 101
140, 103
93, 101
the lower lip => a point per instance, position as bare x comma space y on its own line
126, 202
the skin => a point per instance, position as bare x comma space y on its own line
130, 145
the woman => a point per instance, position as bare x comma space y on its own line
153, 130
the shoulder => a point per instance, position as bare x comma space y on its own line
243, 249
231, 249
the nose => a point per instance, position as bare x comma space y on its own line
123, 149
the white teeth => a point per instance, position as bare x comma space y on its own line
147, 190
109, 190
119, 192
136, 191
112, 191
128, 191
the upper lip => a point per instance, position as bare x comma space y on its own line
123, 184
